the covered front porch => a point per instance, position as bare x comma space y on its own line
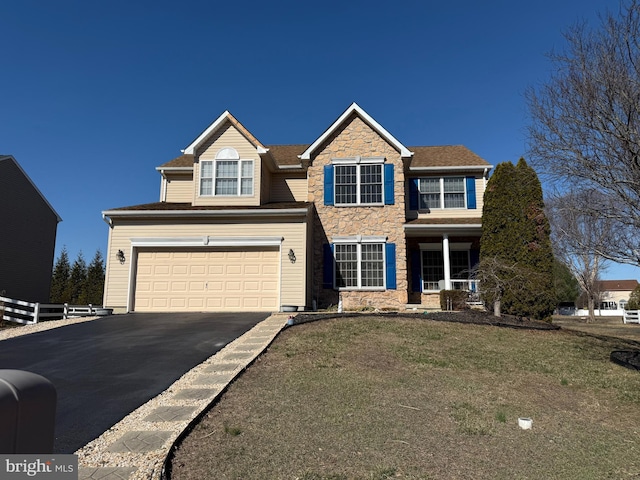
441, 256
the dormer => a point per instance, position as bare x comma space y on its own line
227, 164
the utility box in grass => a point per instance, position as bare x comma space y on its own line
27, 413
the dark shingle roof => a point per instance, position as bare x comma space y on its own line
286, 154
181, 161
439, 156
617, 285
445, 156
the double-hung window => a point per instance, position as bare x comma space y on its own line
359, 181
360, 263
431, 193
227, 175
359, 184
447, 192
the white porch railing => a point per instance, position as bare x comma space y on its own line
468, 285
28, 313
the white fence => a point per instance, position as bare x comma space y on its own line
631, 316
28, 313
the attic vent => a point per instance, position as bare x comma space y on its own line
227, 153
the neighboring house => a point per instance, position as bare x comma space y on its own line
614, 294
355, 215
28, 226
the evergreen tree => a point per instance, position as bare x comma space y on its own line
634, 299
95, 280
515, 235
567, 287
60, 279
77, 281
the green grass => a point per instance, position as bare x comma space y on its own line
374, 398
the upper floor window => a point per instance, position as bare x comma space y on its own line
358, 181
442, 192
226, 175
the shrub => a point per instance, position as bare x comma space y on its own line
453, 299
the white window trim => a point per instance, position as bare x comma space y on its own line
239, 177
442, 207
358, 161
359, 240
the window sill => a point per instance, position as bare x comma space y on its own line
341, 205
361, 289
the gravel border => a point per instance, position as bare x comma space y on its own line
12, 332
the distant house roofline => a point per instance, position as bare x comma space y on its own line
11, 158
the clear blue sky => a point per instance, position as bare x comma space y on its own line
94, 94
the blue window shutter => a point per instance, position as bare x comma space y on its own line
416, 271
388, 184
471, 192
474, 257
413, 194
328, 184
327, 265
390, 263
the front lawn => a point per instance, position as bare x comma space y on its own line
372, 398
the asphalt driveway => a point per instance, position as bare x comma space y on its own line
106, 368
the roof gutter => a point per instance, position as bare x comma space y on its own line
107, 220
484, 168
272, 212
436, 226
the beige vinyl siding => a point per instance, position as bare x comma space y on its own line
179, 187
228, 136
293, 275
291, 187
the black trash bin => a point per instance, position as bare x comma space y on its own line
27, 413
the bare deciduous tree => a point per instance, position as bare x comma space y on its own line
580, 236
497, 276
585, 130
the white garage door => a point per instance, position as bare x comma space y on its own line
207, 280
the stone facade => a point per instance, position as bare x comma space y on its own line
356, 138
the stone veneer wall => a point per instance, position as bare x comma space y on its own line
354, 138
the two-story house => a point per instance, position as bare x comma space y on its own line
355, 215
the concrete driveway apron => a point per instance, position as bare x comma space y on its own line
106, 368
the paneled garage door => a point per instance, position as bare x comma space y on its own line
207, 280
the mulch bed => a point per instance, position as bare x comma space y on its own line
626, 358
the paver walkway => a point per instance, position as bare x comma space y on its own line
136, 447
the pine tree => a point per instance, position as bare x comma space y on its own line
77, 281
60, 279
95, 280
515, 239
535, 253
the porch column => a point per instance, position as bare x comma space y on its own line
447, 266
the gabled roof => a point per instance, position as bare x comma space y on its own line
354, 108
617, 285
9, 158
211, 129
425, 158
